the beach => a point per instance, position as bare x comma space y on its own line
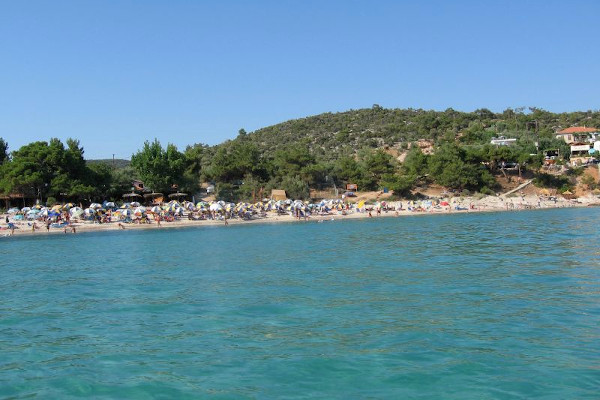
456, 205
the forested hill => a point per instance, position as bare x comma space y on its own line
372, 148
329, 135
117, 162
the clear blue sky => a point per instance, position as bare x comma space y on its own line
116, 73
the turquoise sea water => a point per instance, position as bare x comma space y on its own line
471, 306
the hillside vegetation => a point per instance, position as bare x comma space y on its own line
400, 149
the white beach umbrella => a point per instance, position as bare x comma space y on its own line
140, 210
75, 212
215, 207
32, 214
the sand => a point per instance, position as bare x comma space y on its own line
469, 205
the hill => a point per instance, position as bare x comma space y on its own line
330, 135
117, 162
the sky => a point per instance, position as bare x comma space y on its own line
116, 73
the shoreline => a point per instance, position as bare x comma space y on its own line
487, 204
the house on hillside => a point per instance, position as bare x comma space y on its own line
503, 141
578, 135
582, 141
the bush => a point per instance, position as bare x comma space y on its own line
295, 187
487, 191
575, 171
589, 181
50, 201
548, 180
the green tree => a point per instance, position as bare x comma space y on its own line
159, 168
449, 167
3, 151
48, 169
234, 160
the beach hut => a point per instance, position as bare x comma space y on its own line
154, 198
568, 195
278, 194
177, 196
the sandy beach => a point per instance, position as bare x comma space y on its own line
462, 205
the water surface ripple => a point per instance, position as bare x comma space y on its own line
477, 306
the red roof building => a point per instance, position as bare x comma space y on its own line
577, 129
577, 134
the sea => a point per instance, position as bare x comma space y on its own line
460, 306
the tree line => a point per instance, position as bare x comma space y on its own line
323, 151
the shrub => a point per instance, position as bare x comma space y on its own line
487, 191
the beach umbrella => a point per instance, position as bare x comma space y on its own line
57, 207
25, 209
95, 206
37, 207
444, 203
140, 210
76, 212
67, 206
135, 204
53, 213
126, 212
108, 204
156, 210
32, 214
89, 212
125, 205
13, 210
173, 208
215, 207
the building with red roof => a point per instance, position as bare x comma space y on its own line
578, 134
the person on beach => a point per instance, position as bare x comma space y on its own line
120, 225
47, 225
158, 221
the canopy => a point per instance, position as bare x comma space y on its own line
215, 207
75, 211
